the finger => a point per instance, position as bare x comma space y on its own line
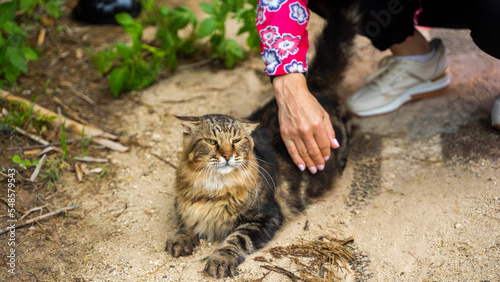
314, 154
323, 140
334, 143
302, 150
294, 154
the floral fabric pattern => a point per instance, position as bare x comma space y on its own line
286, 44
272, 5
299, 13
284, 40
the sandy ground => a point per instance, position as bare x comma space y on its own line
420, 194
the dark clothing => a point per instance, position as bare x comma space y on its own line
387, 22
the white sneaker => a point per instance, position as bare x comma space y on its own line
495, 113
399, 81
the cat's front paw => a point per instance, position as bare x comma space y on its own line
181, 245
221, 265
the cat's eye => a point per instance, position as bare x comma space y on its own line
211, 141
236, 141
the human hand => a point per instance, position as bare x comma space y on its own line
305, 126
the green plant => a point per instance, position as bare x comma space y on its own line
215, 27
18, 117
101, 175
130, 69
24, 163
52, 172
14, 52
136, 65
64, 146
84, 143
170, 22
52, 8
22, 117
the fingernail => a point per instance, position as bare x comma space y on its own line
301, 167
321, 167
326, 158
313, 169
336, 142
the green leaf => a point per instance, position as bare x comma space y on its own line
117, 80
207, 8
30, 54
17, 58
16, 158
8, 11
25, 5
54, 8
180, 17
125, 51
253, 41
104, 60
124, 19
207, 27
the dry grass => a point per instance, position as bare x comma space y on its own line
317, 260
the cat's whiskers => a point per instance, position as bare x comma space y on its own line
259, 168
250, 176
262, 160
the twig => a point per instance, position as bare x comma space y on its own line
165, 161
83, 96
32, 210
37, 169
46, 151
39, 218
32, 136
110, 144
68, 110
78, 172
280, 270
91, 160
40, 146
120, 213
41, 36
182, 100
70, 125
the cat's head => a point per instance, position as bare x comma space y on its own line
219, 142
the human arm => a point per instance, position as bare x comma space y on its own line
305, 126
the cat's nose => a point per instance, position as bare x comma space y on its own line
226, 156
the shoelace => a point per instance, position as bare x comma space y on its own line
383, 74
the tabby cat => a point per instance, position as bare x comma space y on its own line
236, 182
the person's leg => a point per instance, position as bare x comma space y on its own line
417, 68
415, 44
482, 17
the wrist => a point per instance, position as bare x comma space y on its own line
289, 85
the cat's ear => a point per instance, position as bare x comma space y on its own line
188, 123
250, 126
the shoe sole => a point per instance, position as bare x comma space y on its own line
434, 87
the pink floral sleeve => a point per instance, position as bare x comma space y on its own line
283, 36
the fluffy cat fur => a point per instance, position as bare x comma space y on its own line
236, 182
